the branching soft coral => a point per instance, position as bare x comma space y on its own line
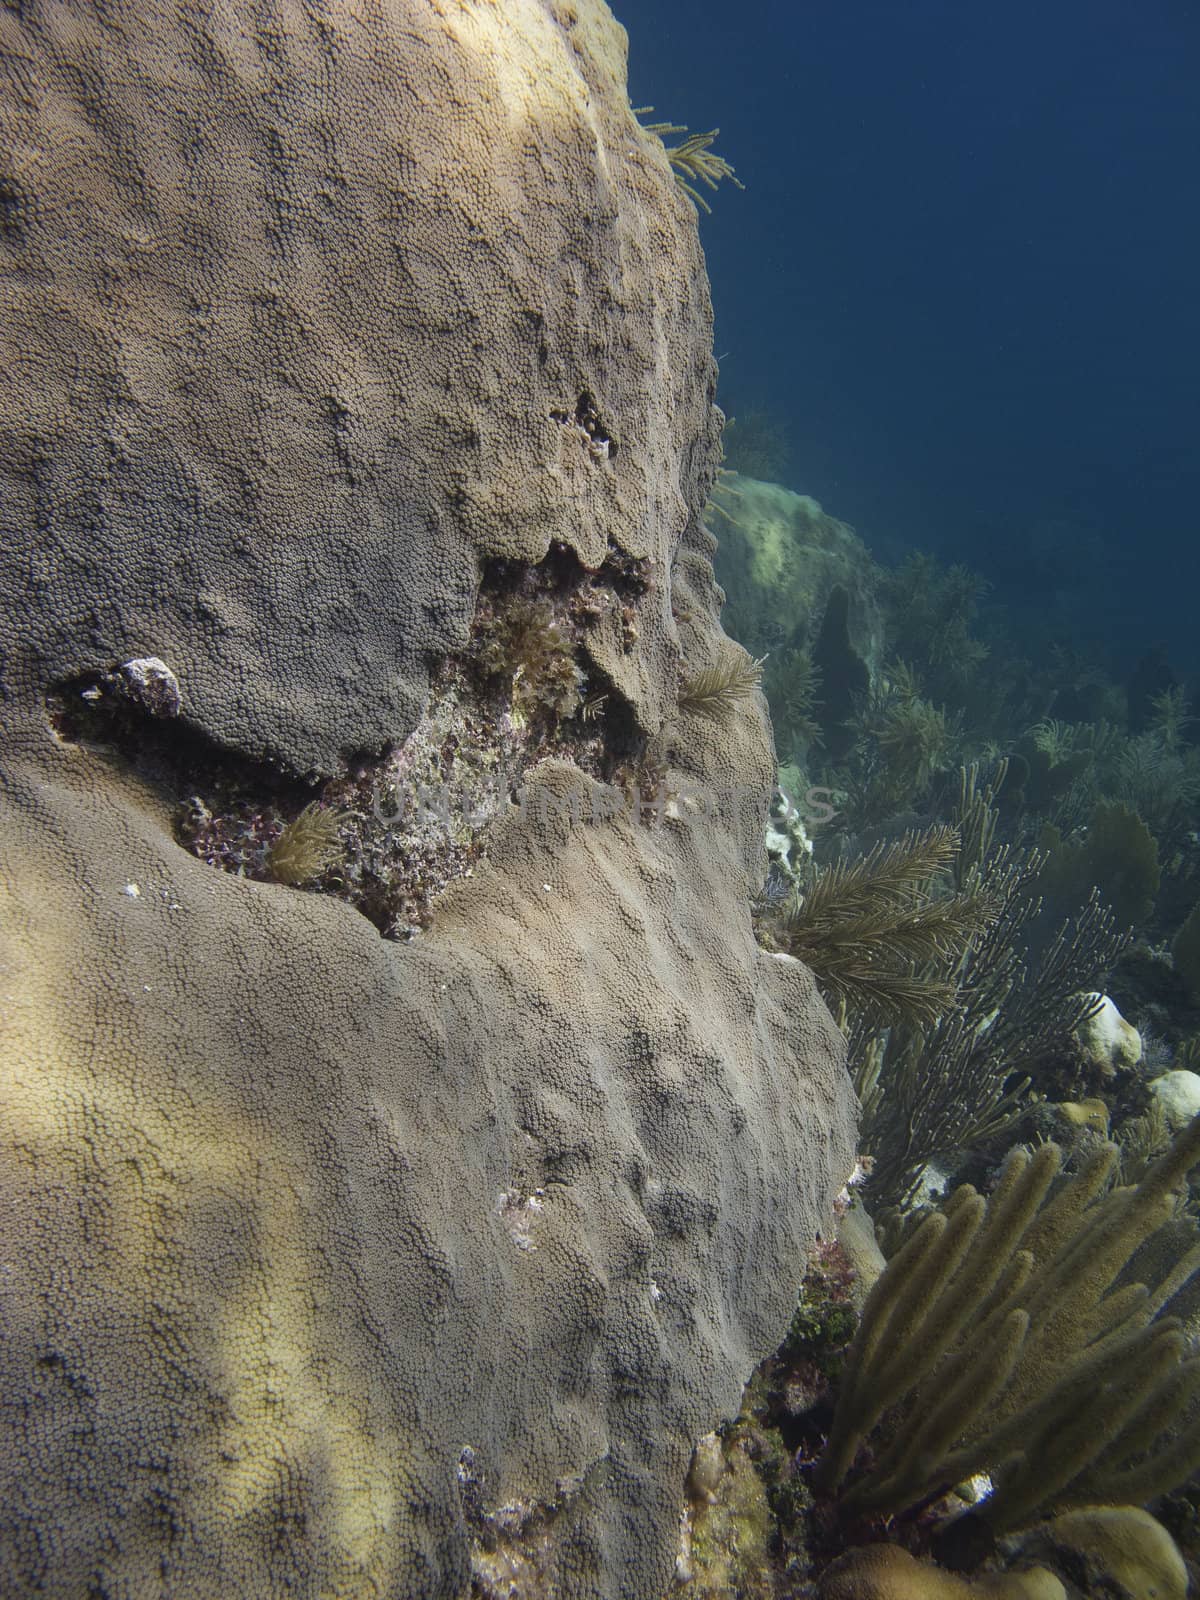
694, 160
996, 1340
877, 937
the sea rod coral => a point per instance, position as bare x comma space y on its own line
1001, 1338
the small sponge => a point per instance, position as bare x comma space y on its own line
1125, 1552
886, 1572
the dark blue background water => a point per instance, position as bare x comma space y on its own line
966, 272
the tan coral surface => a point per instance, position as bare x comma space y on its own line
886, 1572
331, 1264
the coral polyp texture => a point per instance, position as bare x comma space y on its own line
335, 1264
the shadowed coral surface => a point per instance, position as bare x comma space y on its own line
341, 1265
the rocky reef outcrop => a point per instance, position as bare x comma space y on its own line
336, 1264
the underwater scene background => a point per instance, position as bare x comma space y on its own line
961, 284
599, 898
953, 255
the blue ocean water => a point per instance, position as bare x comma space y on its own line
965, 274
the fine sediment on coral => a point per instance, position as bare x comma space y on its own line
336, 1264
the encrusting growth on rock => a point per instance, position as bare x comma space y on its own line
522, 648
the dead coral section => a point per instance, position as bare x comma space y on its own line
532, 660
746, 1532
416, 818
588, 427
529, 650
512, 1545
393, 829
726, 1528
409, 821
110, 707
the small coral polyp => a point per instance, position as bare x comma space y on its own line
308, 846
